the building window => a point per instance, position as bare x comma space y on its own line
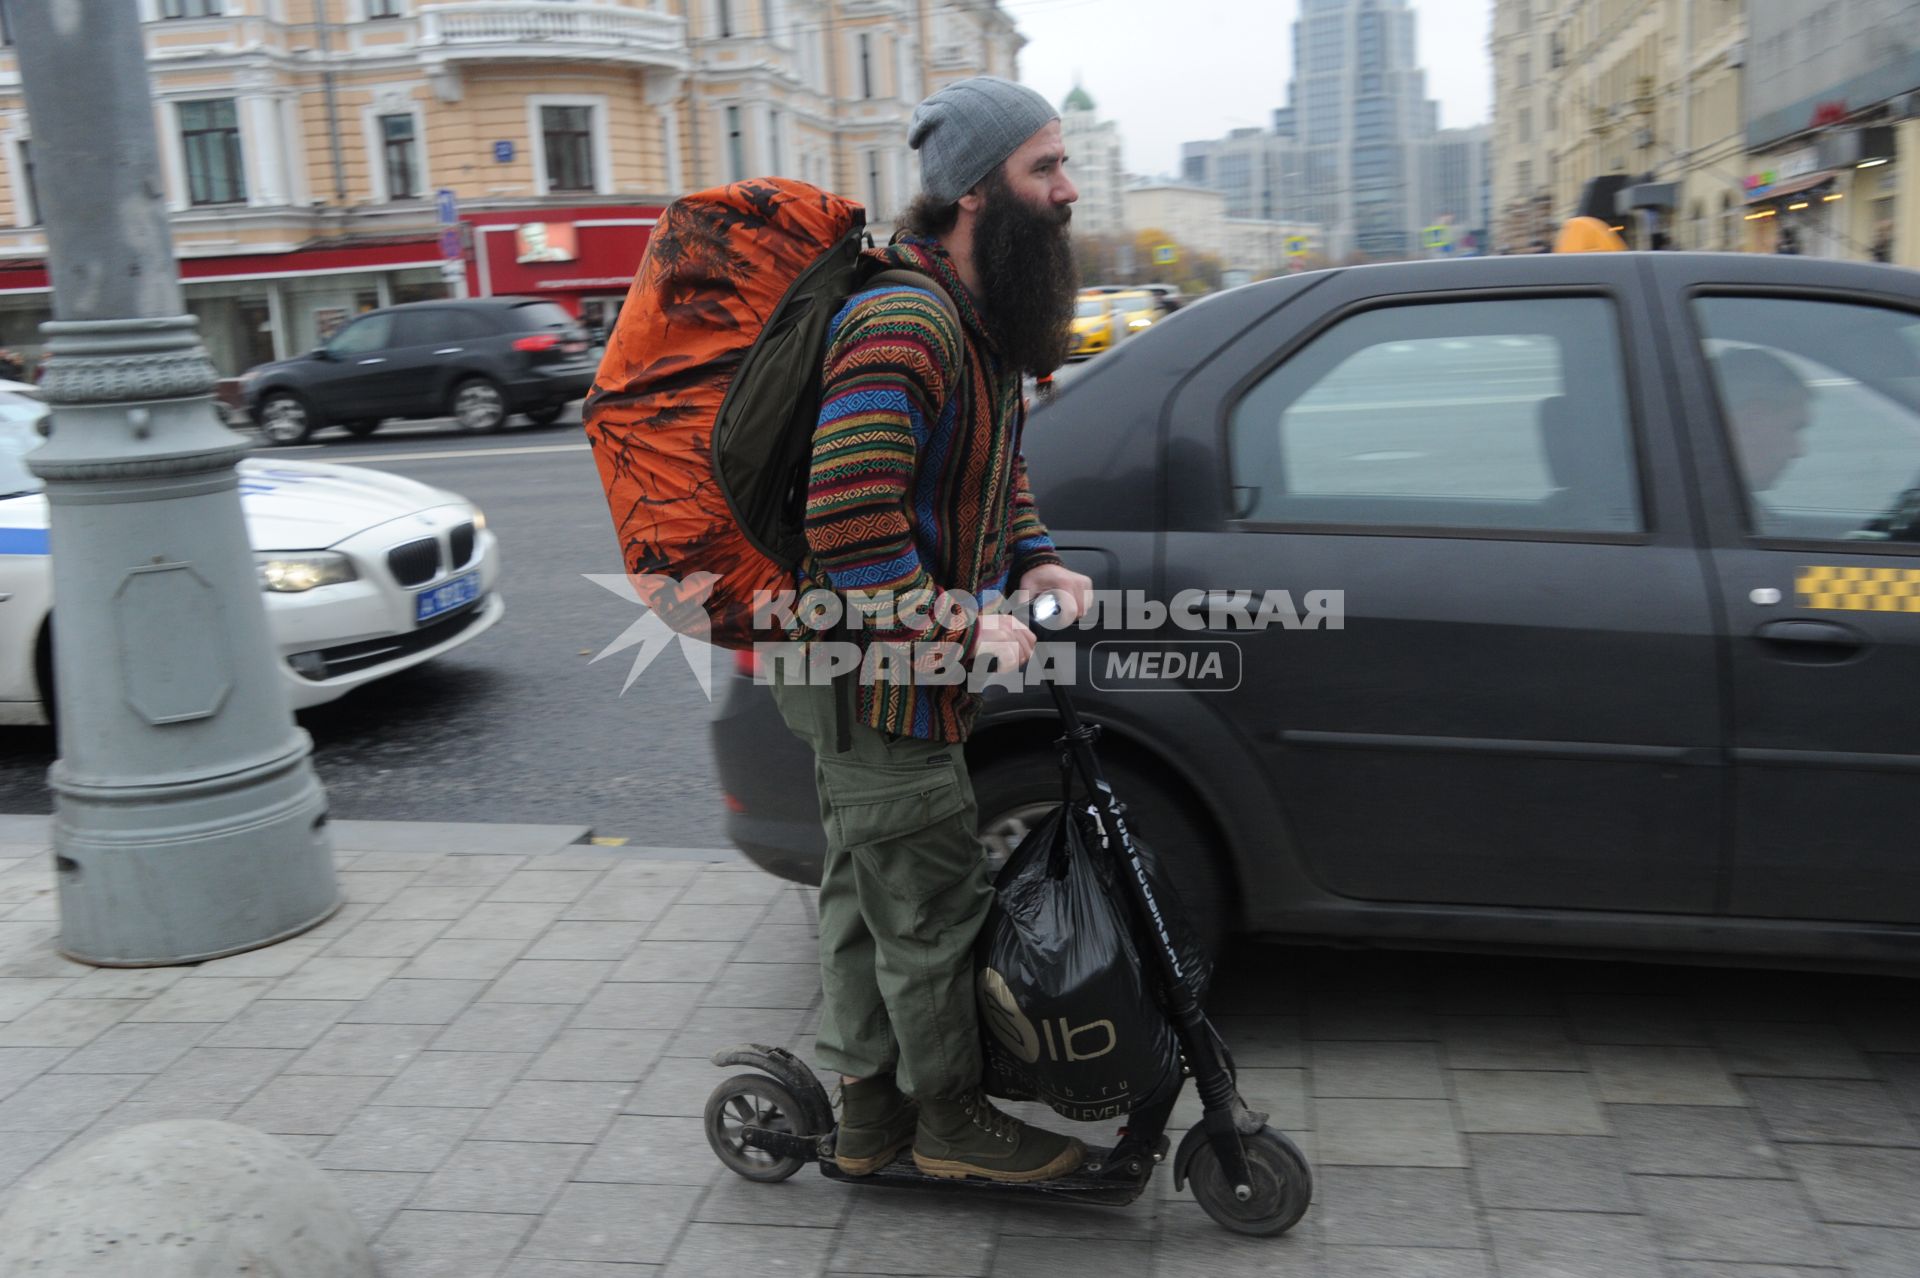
210, 139
6, 25
775, 143
383, 9
725, 18
568, 133
190, 9
866, 65
400, 151
29, 205
1524, 71
766, 18
873, 181
736, 146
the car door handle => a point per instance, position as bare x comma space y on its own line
450, 350
1807, 638
378, 359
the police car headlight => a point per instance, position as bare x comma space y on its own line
292, 574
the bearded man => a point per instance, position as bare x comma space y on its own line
917, 493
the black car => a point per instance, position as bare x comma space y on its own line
477, 360
1624, 549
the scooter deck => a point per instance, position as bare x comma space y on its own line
1099, 1180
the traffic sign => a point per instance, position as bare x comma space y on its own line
1296, 246
503, 152
1439, 237
449, 211
1165, 255
450, 242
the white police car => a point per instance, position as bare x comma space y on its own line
365, 573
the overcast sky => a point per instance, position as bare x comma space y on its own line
1173, 71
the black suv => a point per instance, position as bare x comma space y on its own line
477, 360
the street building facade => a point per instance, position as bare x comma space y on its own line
1195, 217
1094, 158
1455, 199
1833, 130
1258, 248
305, 142
1348, 150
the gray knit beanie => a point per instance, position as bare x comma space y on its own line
970, 126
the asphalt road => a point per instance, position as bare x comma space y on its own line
520, 725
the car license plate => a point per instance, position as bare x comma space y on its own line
573, 348
446, 596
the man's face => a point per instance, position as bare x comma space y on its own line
1771, 438
1022, 255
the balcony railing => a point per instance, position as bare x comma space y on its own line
551, 28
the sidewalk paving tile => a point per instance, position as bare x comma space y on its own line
709, 1029
1789, 1050
372, 887
1756, 1221
499, 1176
22, 1151
706, 923
1388, 1133
1694, 1140
448, 1244
576, 1113
1573, 1245
639, 1005
631, 1223
462, 959
227, 1075
21, 1065
364, 1049
282, 960
559, 887
1831, 1112
1403, 1262
137, 982
1550, 1173
1659, 1075
205, 998
1507, 1042
1368, 1019
548, 981
765, 985
805, 1200
308, 1104
435, 901
65, 1102
1395, 1206
18, 997
458, 1080
698, 961
374, 1198
1277, 1041
720, 887
1115, 1258
67, 1022
280, 1023
1879, 1253
1399, 1071
504, 921
342, 978
1637, 1020
455, 838
1901, 1072
1849, 1185
776, 943
1191, 1245
650, 1150
599, 1056
631, 903
504, 1027
564, 940
534, 1267
398, 1138
1534, 1102
407, 1001
911, 1234
1721, 1269
135, 1049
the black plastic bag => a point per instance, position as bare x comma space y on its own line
1068, 1013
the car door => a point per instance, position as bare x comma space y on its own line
349, 383
427, 343
1521, 706
1805, 412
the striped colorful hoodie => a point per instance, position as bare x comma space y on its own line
917, 483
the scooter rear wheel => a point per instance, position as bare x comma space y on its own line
1282, 1186
751, 1100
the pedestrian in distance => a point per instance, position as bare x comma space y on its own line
917, 485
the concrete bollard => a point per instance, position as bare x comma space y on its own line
189, 1198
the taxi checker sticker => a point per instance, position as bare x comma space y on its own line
1858, 589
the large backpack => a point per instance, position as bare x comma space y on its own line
702, 414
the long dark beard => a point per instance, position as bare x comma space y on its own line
1028, 280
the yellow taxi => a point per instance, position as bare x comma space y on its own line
1104, 317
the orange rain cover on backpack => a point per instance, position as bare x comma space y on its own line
717, 267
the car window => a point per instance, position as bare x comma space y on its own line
1820, 410
538, 315
368, 333
1486, 414
423, 328
1090, 308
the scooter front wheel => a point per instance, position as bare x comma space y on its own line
751, 1100
1282, 1185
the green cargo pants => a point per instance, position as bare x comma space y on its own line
902, 897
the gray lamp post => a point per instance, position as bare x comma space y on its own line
189, 822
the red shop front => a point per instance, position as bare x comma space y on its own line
583, 258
